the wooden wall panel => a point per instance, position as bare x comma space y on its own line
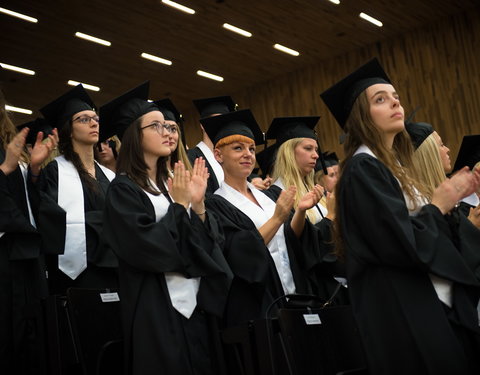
436, 67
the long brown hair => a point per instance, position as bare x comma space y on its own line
65, 146
7, 129
361, 129
132, 163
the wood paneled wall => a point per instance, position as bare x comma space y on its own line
436, 67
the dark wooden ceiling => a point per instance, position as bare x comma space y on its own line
317, 29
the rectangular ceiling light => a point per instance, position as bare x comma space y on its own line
17, 69
335, 1
371, 19
286, 50
178, 6
93, 39
237, 30
85, 85
18, 15
210, 75
16, 109
156, 59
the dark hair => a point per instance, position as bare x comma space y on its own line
131, 161
65, 146
360, 130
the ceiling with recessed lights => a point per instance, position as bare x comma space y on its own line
316, 29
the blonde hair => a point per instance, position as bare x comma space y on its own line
233, 138
427, 164
287, 170
180, 154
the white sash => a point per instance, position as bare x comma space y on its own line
260, 215
70, 197
472, 200
217, 168
442, 287
182, 291
24, 169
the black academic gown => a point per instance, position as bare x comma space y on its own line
212, 183
158, 339
101, 271
22, 282
314, 256
404, 326
256, 283
464, 208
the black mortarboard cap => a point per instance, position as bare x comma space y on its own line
212, 106
418, 131
117, 115
469, 153
330, 159
284, 128
171, 113
266, 159
325, 160
36, 126
340, 97
59, 111
233, 123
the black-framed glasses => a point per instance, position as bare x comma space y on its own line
162, 127
84, 119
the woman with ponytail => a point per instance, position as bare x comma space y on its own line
73, 189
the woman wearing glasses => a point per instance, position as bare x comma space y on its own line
177, 138
73, 189
173, 277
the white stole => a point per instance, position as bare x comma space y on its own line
182, 291
24, 169
472, 200
70, 197
442, 287
217, 168
260, 215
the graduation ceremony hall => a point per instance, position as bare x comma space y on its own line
240, 187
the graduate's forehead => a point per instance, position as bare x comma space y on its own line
380, 88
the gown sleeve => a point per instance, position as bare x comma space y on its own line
256, 283
170, 245
378, 229
23, 238
243, 245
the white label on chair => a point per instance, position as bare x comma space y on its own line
110, 297
312, 319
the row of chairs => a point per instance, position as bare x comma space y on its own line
84, 333
304, 337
